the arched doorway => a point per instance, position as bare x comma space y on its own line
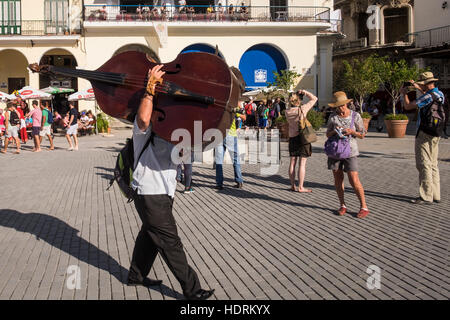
13, 70
139, 48
59, 58
259, 62
201, 47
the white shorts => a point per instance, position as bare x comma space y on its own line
72, 130
45, 131
13, 131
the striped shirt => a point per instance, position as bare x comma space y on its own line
426, 99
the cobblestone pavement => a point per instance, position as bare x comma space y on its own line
261, 242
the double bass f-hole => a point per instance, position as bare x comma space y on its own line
162, 115
175, 71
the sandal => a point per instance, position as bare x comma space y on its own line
363, 212
342, 210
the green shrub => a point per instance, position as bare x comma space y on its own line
366, 115
280, 120
392, 116
102, 122
316, 119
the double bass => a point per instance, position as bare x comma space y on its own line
196, 86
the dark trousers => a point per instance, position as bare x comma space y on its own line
159, 234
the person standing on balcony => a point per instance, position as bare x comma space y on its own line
182, 6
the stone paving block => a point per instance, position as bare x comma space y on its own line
288, 245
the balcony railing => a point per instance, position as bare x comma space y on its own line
352, 44
116, 13
37, 28
431, 38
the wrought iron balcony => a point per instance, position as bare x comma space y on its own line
200, 13
431, 38
37, 28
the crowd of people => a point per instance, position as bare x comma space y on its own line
18, 124
261, 113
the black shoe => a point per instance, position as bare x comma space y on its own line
437, 201
239, 185
219, 187
420, 201
146, 283
201, 295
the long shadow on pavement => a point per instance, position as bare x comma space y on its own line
55, 232
285, 181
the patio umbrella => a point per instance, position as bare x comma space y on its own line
83, 95
32, 93
4, 96
56, 90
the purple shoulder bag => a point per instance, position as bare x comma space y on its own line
337, 148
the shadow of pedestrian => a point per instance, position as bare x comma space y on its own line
61, 235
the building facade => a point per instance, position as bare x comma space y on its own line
431, 39
383, 27
272, 35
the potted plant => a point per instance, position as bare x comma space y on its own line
396, 125
282, 125
393, 75
366, 119
103, 123
359, 78
316, 119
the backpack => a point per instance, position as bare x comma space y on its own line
260, 110
432, 119
272, 113
123, 171
14, 118
50, 117
248, 109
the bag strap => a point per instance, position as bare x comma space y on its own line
353, 119
150, 139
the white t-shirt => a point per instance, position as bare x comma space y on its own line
155, 173
84, 119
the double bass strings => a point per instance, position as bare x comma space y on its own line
122, 79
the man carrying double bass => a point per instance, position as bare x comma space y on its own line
154, 182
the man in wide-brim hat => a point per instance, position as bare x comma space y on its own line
351, 125
426, 144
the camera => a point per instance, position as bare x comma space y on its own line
407, 84
339, 133
300, 94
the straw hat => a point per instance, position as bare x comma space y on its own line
426, 78
340, 98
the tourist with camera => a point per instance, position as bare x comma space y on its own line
298, 150
430, 128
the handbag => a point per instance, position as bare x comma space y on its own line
339, 148
307, 133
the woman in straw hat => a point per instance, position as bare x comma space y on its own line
342, 120
297, 151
